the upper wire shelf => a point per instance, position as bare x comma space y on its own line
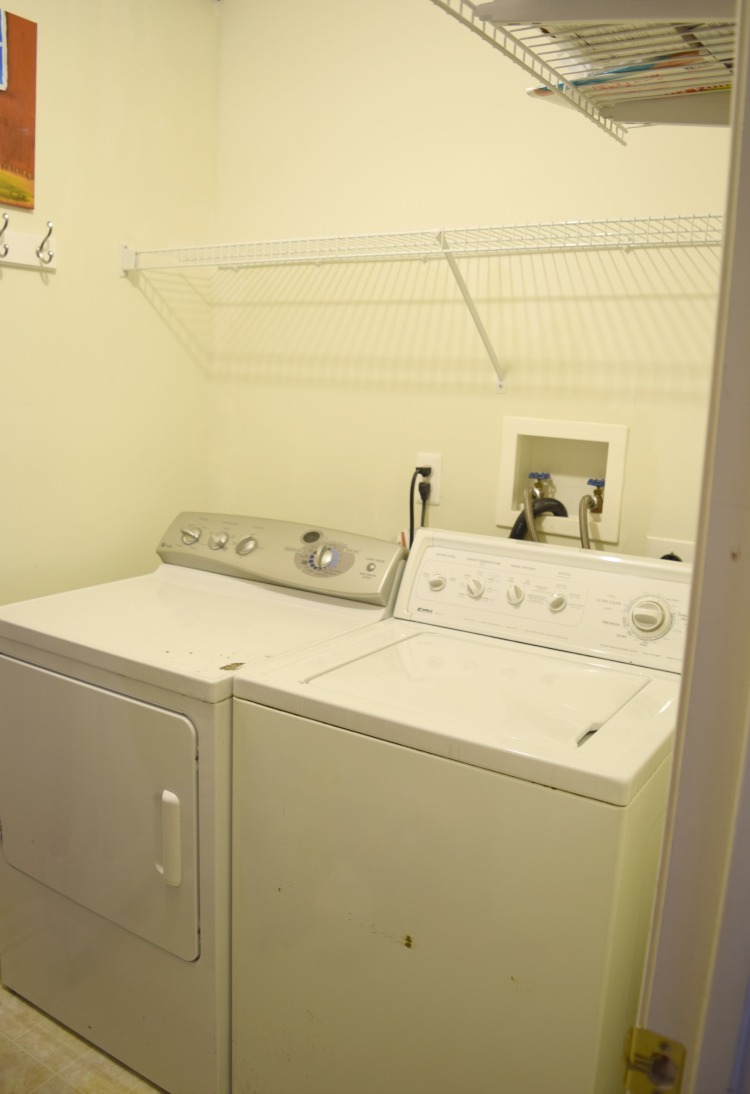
656, 69
693, 230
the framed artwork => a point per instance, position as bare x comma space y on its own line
17, 110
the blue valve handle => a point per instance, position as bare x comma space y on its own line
595, 482
541, 476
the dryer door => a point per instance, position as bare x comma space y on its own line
98, 801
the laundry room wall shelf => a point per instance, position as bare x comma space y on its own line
450, 245
621, 63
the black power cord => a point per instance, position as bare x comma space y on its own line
424, 493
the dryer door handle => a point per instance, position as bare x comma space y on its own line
171, 843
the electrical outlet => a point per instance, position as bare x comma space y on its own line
435, 461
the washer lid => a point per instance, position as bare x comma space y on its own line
572, 722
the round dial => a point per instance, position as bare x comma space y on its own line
557, 602
475, 588
217, 540
514, 594
190, 535
246, 546
436, 582
324, 558
649, 617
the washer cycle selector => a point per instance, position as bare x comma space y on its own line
217, 540
190, 535
649, 617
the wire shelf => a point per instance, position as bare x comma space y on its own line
693, 230
616, 73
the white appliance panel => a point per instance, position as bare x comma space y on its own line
405, 923
99, 802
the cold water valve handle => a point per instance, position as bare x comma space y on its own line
540, 479
598, 498
589, 504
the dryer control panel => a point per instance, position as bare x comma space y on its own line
279, 552
622, 608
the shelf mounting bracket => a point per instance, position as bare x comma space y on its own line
477, 319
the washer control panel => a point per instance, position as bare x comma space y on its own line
280, 552
623, 608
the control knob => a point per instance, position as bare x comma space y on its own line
246, 546
557, 602
514, 594
190, 535
475, 588
324, 558
436, 582
650, 617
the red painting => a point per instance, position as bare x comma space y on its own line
17, 109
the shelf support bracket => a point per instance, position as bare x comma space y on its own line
477, 319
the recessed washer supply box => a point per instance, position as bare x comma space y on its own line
573, 453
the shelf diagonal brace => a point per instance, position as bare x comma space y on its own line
476, 317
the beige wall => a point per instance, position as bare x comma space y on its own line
193, 120
348, 119
101, 411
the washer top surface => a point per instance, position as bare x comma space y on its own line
545, 664
195, 620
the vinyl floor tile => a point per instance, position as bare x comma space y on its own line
39, 1056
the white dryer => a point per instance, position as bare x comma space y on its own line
115, 776
449, 828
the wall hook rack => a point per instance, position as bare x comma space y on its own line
24, 249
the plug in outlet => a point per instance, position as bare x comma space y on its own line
435, 461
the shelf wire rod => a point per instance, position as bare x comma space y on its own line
469, 301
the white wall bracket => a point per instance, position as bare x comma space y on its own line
477, 319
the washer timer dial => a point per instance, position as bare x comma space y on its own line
649, 617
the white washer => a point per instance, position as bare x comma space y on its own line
115, 776
448, 836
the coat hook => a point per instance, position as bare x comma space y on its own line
4, 248
45, 256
